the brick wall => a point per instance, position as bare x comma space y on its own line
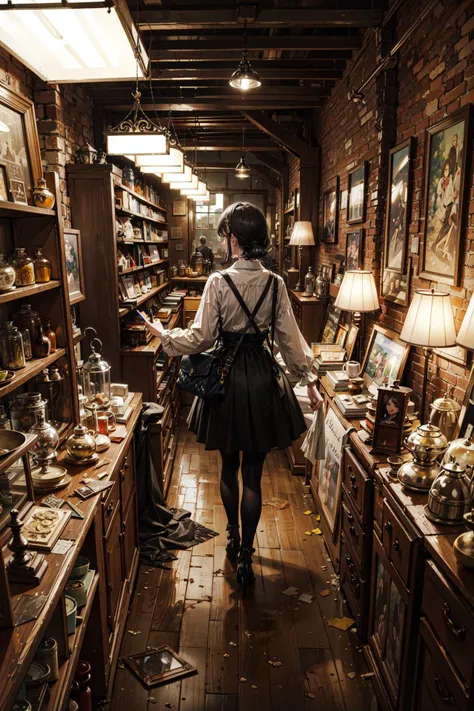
434, 77
64, 119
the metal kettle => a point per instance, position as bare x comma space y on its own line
445, 414
450, 495
426, 444
463, 452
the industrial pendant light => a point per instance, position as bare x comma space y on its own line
244, 77
173, 162
137, 134
242, 169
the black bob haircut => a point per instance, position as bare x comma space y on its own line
248, 225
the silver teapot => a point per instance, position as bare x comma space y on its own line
450, 495
426, 444
463, 452
445, 414
81, 445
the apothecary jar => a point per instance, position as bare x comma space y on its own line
96, 377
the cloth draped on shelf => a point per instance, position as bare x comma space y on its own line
161, 529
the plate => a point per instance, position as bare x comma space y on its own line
81, 462
10, 440
102, 442
66, 479
10, 375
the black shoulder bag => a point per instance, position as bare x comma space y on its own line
205, 374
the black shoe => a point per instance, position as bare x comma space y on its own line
245, 574
233, 541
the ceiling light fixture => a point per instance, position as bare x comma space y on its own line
137, 134
242, 169
244, 77
64, 41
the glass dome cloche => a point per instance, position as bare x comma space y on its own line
96, 375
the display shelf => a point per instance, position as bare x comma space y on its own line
142, 241
32, 368
141, 198
199, 279
78, 337
25, 292
60, 690
12, 209
152, 346
141, 299
131, 270
130, 213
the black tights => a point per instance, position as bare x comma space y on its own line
251, 505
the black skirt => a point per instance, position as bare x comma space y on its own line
254, 415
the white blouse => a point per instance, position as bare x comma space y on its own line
250, 277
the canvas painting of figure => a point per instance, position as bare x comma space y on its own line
396, 227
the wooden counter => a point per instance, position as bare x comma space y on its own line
91, 536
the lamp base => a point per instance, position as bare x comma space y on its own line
299, 287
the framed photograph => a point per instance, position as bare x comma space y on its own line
396, 286
19, 144
18, 191
341, 335
397, 217
154, 253
355, 250
179, 208
74, 271
385, 358
333, 317
4, 190
351, 339
392, 405
447, 162
455, 354
159, 666
327, 271
357, 194
330, 214
129, 285
329, 484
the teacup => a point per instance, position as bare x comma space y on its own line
351, 368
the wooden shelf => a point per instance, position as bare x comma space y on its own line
130, 213
153, 346
141, 299
78, 337
12, 209
145, 266
25, 292
60, 690
7, 462
289, 209
142, 241
141, 198
199, 279
32, 368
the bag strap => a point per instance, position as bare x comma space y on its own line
274, 309
239, 298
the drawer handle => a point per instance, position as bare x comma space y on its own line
388, 526
353, 531
350, 517
355, 583
448, 699
396, 545
354, 488
458, 632
122, 475
349, 561
109, 508
353, 478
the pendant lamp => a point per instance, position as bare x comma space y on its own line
244, 77
184, 176
242, 169
200, 190
191, 184
137, 134
171, 163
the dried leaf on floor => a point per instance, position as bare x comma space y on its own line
276, 503
309, 695
242, 679
275, 663
307, 533
351, 675
232, 644
367, 675
341, 623
308, 512
317, 532
306, 597
134, 632
290, 591
325, 592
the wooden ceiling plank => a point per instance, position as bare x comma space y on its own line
259, 43
197, 74
281, 135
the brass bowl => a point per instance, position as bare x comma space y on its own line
10, 440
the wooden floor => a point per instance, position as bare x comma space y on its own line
195, 607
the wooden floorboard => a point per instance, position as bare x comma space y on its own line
267, 651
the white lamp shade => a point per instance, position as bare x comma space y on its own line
201, 198
429, 321
302, 235
135, 143
172, 162
184, 177
200, 190
358, 292
465, 336
192, 184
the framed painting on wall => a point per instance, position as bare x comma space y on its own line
74, 271
357, 194
19, 144
355, 250
447, 160
396, 286
179, 208
330, 214
398, 206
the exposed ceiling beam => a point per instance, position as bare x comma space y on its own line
211, 17
258, 170
281, 135
260, 43
213, 93
278, 166
225, 146
219, 74
196, 56
238, 104
324, 60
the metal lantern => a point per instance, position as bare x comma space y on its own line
96, 377
86, 154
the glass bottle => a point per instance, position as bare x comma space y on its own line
181, 268
26, 318
196, 262
48, 331
11, 347
23, 266
128, 177
309, 283
27, 344
42, 345
7, 275
42, 266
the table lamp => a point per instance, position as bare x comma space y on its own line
465, 337
429, 323
301, 236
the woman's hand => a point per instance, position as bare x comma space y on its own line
315, 399
155, 327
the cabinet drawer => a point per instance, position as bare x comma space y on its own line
451, 621
358, 486
109, 506
355, 536
113, 569
356, 589
127, 476
378, 504
438, 676
130, 541
397, 542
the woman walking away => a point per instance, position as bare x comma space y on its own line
259, 411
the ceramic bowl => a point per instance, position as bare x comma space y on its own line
77, 590
71, 614
80, 569
37, 674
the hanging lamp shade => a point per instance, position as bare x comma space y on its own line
244, 77
242, 169
184, 176
200, 190
173, 162
465, 336
192, 184
137, 134
201, 198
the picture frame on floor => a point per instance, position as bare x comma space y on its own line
398, 210
357, 194
330, 471
330, 213
159, 666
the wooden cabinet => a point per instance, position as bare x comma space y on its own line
114, 568
129, 537
309, 313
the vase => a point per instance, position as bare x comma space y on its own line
26, 318
42, 196
49, 333
23, 266
42, 266
11, 347
7, 275
42, 345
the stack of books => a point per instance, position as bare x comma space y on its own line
338, 379
352, 406
328, 361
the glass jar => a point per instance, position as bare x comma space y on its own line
196, 262
11, 347
27, 344
42, 345
24, 409
23, 266
181, 268
96, 378
7, 275
128, 177
42, 266
49, 333
309, 283
26, 318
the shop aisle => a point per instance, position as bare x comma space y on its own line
196, 607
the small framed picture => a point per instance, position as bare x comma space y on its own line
330, 214
357, 194
355, 250
396, 286
18, 191
74, 270
333, 317
4, 191
159, 666
179, 208
351, 340
341, 335
392, 405
327, 271
129, 287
